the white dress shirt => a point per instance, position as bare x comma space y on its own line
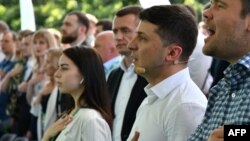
172, 110
87, 125
127, 83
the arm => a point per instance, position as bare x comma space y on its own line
2, 74
37, 77
14, 72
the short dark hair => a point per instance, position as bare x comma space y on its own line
192, 11
105, 23
131, 9
175, 25
90, 66
82, 18
24, 33
245, 8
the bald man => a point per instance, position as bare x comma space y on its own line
105, 45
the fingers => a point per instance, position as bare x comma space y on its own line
136, 136
64, 121
217, 134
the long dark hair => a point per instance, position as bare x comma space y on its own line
95, 94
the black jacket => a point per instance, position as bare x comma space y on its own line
136, 97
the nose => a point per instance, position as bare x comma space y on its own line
62, 27
132, 45
118, 35
57, 74
207, 15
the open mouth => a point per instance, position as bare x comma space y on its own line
211, 31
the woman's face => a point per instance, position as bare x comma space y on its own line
50, 64
67, 76
40, 46
27, 46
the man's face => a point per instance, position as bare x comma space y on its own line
8, 44
70, 29
147, 49
104, 44
124, 31
99, 29
227, 30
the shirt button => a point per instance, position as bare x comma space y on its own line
233, 95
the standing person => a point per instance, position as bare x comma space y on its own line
81, 75
103, 25
92, 29
174, 105
105, 46
8, 47
125, 86
42, 41
3, 28
75, 28
228, 22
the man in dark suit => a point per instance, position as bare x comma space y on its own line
126, 87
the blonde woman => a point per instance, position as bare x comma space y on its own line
42, 40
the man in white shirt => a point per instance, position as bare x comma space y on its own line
125, 86
174, 105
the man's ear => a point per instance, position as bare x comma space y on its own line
174, 53
248, 22
83, 29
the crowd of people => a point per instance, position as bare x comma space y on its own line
152, 74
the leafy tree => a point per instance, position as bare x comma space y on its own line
50, 13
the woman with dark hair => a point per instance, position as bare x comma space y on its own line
80, 73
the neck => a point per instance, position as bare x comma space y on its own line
8, 56
78, 41
76, 95
127, 61
158, 74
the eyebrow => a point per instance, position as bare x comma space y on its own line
140, 33
217, 1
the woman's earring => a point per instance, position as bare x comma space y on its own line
81, 81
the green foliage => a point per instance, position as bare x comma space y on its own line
50, 13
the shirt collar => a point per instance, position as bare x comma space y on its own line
243, 64
163, 88
128, 71
112, 62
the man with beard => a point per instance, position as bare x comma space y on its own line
228, 23
75, 28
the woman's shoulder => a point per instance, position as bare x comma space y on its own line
88, 116
88, 113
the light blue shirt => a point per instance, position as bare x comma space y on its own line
112, 64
